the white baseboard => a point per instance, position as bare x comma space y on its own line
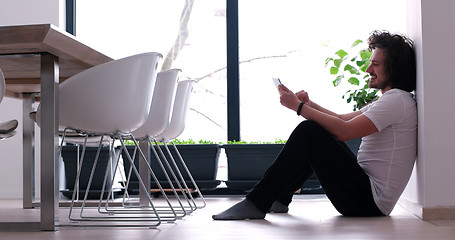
428, 213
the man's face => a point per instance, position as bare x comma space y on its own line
377, 71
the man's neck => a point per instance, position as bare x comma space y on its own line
385, 89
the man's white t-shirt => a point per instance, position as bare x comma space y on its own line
388, 156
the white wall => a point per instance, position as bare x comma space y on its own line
431, 26
19, 12
31, 12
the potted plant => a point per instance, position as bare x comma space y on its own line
200, 157
351, 65
354, 63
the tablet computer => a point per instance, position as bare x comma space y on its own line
277, 82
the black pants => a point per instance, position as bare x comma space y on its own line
310, 148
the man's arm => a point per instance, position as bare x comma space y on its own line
346, 117
343, 130
344, 126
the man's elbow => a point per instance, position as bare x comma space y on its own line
343, 138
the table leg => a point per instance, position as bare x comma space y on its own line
144, 173
49, 142
28, 152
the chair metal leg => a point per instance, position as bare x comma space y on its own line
146, 217
161, 209
128, 212
113, 170
95, 163
160, 161
80, 161
188, 172
128, 178
179, 180
172, 211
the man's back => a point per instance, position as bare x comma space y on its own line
388, 155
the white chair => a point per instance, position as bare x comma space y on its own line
112, 99
179, 112
7, 129
162, 102
156, 123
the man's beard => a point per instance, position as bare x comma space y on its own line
381, 85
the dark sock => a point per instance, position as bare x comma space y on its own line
278, 207
240, 211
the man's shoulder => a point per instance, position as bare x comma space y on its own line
399, 92
399, 95
394, 101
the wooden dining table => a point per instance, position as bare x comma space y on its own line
35, 59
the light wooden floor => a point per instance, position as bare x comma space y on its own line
310, 217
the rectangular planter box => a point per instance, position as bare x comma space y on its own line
250, 161
247, 163
201, 160
69, 155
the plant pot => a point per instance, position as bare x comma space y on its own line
69, 155
247, 163
201, 160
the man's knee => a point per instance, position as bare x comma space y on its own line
313, 132
310, 127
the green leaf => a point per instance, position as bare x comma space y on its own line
373, 94
337, 62
337, 81
333, 70
351, 69
328, 60
341, 53
365, 54
364, 67
354, 81
360, 63
356, 42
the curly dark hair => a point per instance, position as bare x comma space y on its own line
400, 62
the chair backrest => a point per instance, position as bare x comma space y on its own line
2, 85
114, 96
179, 111
160, 109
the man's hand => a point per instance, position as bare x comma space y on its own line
288, 98
303, 96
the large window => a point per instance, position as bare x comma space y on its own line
289, 39
123, 28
